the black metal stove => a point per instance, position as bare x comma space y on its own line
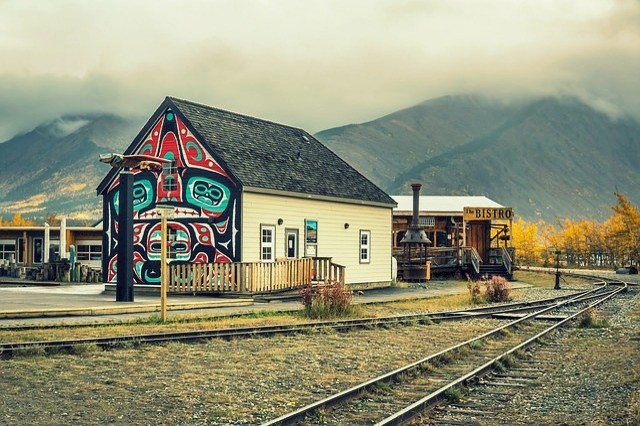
416, 244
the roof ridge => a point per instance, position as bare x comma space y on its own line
233, 114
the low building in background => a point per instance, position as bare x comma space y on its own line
460, 229
34, 246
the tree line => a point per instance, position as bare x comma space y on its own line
584, 243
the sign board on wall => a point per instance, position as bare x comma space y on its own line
311, 237
487, 213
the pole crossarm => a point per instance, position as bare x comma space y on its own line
134, 162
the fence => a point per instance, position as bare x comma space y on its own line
252, 277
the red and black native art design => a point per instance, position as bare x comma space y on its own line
204, 196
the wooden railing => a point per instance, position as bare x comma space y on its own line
252, 277
326, 271
472, 257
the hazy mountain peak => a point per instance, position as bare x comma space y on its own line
548, 157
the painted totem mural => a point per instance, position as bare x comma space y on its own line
206, 201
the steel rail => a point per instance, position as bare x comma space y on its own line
299, 414
408, 413
7, 349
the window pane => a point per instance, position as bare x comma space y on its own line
364, 246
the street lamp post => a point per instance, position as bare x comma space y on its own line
124, 285
557, 286
128, 163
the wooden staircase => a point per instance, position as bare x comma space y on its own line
493, 270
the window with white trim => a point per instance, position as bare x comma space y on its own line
38, 247
8, 249
267, 243
365, 246
89, 250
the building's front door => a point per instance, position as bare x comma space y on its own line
479, 236
292, 243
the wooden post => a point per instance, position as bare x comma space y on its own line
165, 213
163, 268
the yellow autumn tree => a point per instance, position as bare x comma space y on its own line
18, 220
628, 218
527, 242
615, 239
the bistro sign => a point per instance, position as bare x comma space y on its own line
487, 213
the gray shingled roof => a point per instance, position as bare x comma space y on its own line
273, 156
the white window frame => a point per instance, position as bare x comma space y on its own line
365, 247
94, 250
169, 182
267, 246
4, 252
33, 250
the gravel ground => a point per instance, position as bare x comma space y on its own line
584, 376
245, 381
249, 381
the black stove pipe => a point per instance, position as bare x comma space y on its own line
416, 203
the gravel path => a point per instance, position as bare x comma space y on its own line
582, 376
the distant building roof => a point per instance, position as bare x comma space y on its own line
435, 204
269, 156
27, 228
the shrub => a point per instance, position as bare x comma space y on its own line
333, 300
453, 394
592, 319
475, 291
496, 289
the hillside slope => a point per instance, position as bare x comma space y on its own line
55, 168
549, 158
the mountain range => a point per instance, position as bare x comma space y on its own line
54, 168
548, 158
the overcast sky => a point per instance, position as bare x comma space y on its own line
314, 64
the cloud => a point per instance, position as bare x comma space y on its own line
313, 64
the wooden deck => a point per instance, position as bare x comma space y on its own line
447, 261
253, 277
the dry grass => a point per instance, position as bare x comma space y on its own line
186, 323
244, 381
152, 326
178, 323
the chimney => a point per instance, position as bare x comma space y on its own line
415, 234
416, 203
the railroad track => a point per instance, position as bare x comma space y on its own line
402, 395
500, 311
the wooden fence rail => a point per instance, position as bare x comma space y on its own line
252, 277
